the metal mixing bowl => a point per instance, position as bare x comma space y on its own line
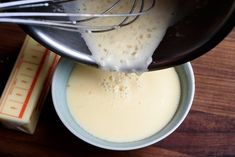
206, 24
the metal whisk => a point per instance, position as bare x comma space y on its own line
12, 12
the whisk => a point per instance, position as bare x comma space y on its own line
12, 12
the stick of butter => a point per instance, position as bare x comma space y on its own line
27, 87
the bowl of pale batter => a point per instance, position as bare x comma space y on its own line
121, 111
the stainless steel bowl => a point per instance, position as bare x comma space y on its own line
206, 23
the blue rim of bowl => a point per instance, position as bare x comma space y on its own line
122, 146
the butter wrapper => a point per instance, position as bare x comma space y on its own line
27, 87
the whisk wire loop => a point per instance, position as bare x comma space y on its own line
137, 9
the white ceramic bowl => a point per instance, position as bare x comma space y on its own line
59, 84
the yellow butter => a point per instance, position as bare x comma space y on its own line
22, 98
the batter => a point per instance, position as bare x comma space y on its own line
121, 107
129, 48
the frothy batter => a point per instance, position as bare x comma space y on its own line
129, 48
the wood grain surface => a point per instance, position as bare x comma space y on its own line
209, 129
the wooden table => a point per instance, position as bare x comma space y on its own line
209, 129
